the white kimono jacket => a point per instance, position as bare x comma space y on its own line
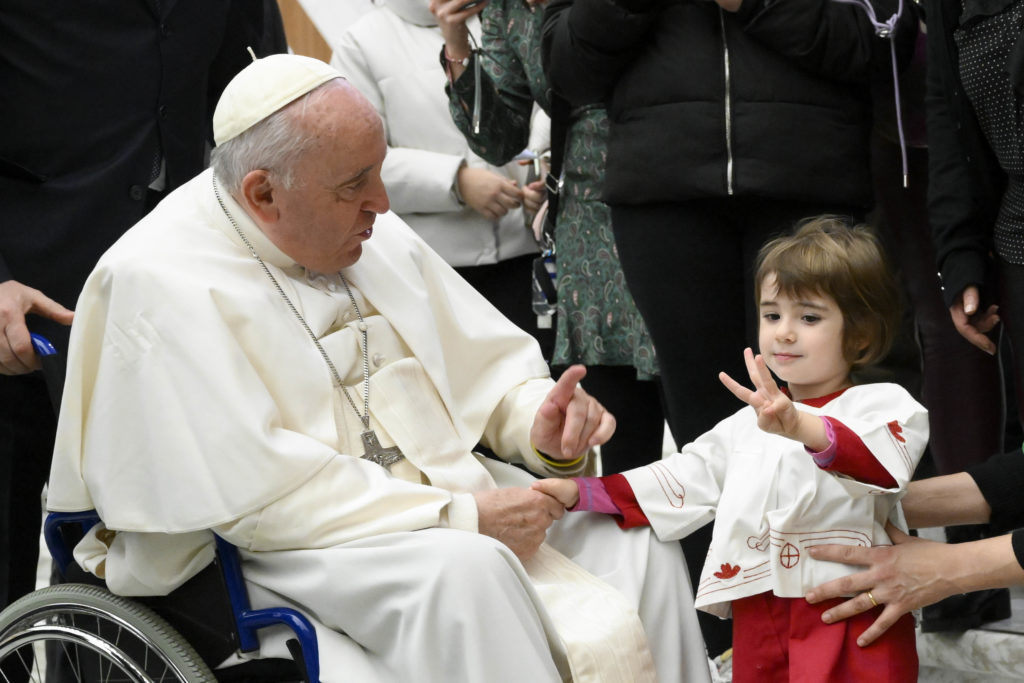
770, 501
195, 400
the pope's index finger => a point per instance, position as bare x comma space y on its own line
565, 387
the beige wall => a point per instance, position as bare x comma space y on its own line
303, 37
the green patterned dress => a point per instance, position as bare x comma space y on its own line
597, 321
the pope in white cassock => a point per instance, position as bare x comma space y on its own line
272, 357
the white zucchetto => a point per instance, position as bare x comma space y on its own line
262, 88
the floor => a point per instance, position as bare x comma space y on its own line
993, 654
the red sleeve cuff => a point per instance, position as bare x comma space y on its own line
853, 458
622, 495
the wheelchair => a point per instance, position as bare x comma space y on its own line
81, 632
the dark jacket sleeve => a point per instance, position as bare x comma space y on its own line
504, 121
1018, 546
586, 45
835, 40
1001, 480
964, 180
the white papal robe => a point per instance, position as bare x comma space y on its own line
196, 401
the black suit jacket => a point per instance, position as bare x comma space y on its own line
92, 92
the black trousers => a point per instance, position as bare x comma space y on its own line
1011, 312
690, 268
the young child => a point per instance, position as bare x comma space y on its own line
822, 461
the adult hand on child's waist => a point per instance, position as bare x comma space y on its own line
905, 576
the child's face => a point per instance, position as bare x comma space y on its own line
802, 341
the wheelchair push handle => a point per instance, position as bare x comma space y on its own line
53, 365
42, 345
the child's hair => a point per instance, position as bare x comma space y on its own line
826, 256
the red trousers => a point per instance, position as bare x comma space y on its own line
784, 639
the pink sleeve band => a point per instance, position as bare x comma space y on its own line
594, 497
849, 455
826, 457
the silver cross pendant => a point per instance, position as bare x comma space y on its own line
374, 452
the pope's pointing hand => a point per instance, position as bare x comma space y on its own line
570, 421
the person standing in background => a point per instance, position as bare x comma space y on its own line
473, 213
597, 322
107, 108
975, 192
961, 387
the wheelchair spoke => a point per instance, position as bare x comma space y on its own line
25, 666
84, 634
71, 653
71, 656
110, 665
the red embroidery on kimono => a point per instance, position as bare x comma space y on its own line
728, 571
897, 431
789, 556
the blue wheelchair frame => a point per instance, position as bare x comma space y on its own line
247, 620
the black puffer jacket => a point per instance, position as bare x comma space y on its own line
771, 101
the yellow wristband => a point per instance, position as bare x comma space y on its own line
561, 464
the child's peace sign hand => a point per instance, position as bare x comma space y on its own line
776, 413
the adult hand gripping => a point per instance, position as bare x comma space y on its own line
16, 300
518, 517
568, 423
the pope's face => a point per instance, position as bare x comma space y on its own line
326, 216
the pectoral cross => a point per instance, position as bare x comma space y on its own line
374, 452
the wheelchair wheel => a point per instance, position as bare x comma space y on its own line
76, 632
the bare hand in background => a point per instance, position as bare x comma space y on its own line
489, 193
533, 196
972, 325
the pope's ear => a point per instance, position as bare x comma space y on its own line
258, 196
